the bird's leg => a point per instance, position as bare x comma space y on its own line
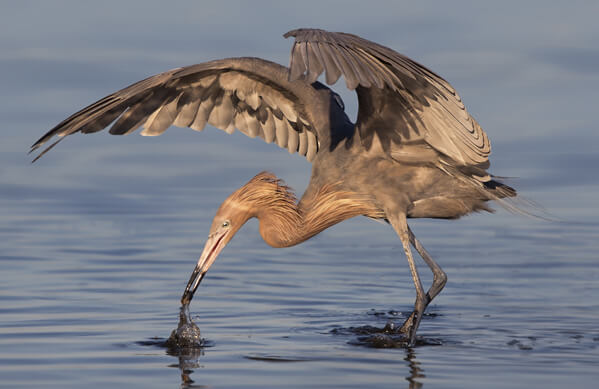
410, 326
439, 276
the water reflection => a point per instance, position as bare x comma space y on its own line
415, 370
189, 359
185, 343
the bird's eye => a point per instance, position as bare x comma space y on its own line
226, 224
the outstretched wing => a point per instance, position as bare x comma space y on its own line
248, 94
407, 106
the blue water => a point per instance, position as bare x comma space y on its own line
98, 239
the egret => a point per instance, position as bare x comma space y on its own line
414, 151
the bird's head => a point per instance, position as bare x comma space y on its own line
229, 218
245, 203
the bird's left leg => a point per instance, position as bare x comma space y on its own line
400, 224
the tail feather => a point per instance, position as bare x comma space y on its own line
492, 189
499, 189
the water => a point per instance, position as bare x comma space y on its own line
98, 239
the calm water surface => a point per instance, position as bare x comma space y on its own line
98, 239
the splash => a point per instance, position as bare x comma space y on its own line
389, 336
187, 335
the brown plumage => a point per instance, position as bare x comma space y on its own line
414, 151
284, 222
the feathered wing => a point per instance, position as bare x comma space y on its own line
251, 95
408, 107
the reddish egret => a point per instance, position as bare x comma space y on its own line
414, 151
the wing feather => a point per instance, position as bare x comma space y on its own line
312, 146
162, 118
282, 130
269, 128
303, 143
188, 107
400, 100
250, 94
201, 117
293, 141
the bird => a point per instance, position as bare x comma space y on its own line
413, 152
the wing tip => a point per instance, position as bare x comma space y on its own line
38, 144
298, 31
291, 33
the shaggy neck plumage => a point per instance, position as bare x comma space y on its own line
284, 222
285, 229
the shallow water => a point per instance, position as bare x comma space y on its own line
98, 239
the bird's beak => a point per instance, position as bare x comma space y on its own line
213, 247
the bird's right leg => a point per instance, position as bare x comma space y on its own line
439, 276
409, 327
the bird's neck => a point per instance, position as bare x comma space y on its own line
285, 225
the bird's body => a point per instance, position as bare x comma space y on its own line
414, 151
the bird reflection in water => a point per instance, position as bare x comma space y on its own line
415, 370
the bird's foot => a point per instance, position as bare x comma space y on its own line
410, 326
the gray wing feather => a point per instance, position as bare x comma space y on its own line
312, 146
293, 141
162, 118
269, 128
201, 117
101, 123
189, 104
253, 126
222, 112
303, 143
249, 94
413, 103
281, 131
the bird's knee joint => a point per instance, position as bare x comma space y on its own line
440, 278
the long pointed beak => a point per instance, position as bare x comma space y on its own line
212, 248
